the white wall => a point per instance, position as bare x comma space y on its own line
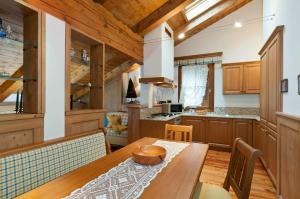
54, 123
287, 14
237, 45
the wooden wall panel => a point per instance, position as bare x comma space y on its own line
20, 130
288, 171
83, 121
96, 21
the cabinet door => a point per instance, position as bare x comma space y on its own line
219, 132
252, 78
233, 79
198, 128
242, 129
256, 136
272, 154
264, 86
273, 83
263, 140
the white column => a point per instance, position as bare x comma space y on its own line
54, 123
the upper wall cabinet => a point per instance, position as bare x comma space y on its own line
241, 78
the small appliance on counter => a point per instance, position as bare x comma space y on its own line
172, 108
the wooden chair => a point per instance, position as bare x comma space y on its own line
179, 133
239, 175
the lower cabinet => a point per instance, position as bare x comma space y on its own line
271, 154
219, 132
153, 128
242, 128
198, 128
265, 139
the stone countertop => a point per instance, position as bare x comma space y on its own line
213, 115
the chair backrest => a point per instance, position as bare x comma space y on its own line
27, 170
179, 133
241, 168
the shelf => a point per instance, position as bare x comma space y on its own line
81, 85
17, 78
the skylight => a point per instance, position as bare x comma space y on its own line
198, 7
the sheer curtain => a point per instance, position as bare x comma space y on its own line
193, 84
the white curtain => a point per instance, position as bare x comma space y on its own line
193, 84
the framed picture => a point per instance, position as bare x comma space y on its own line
298, 84
284, 86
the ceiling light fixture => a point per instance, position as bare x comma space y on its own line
181, 36
237, 24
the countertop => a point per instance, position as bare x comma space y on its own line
214, 115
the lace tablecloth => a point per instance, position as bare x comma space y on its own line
129, 179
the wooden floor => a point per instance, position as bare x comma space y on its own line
215, 169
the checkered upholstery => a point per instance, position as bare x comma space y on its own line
23, 172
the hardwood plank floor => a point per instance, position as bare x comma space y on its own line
215, 169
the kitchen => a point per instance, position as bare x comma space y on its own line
92, 92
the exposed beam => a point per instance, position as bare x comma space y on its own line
10, 86
100, 1
94, 20
162, 14
189, 32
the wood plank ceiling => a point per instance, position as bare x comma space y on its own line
142, 16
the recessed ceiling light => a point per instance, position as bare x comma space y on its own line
237, 24
181, 36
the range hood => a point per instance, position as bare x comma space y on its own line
158, 81
158, 66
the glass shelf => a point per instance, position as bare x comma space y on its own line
4, 77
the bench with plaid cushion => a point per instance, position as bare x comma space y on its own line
27, 170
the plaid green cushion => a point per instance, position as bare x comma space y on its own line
23, 172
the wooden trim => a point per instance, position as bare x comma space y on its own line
160, 15
197, 56
277, 30
241, 63
289, 116
211, 87
23, 116
85, 111
67, 68
45, 143
179, 81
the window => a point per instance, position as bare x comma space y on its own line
196, 84
198, 7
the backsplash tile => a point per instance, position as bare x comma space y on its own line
146, 112
237, 110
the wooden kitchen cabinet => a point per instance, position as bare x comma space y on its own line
264, 87
251, 78
219, 132
242, 128
198, 128
241, 78
232, 79
154, 128
271, 154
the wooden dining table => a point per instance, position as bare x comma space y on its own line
177, 180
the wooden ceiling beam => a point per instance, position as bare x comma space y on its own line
94, 20
162, 14
237, 4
